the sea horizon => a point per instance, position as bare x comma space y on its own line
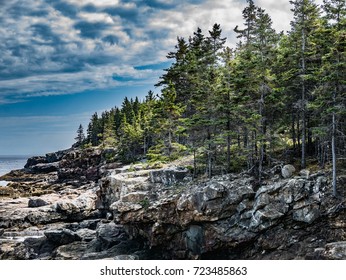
11, 162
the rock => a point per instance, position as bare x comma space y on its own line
76, 164
56, 156
34, 161
335, 251
86, 234
194, 239
79, 208
287, 171
307, 214
45, 167
39, 247
110, 234
169, 176
264, 218
89, 224
305, 173
72, 251
1, 231
126, 257
37, 202
62, 236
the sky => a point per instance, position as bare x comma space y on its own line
63, 60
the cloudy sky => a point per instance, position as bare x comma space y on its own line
63, 60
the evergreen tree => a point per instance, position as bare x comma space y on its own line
80, 135
94, 130
304, 25
330, 100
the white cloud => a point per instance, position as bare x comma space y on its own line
93, 2
64, 52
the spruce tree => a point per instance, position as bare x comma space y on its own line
80, 136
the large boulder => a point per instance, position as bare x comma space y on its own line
36, 202
287, 171
34, 161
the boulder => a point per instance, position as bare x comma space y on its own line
35, 160
37, 202
62, 236
307, 214
287, 171
45, 167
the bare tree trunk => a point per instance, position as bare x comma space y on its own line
303, 157
294, 137
334, 154
333, 147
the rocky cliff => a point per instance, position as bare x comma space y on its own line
77, 205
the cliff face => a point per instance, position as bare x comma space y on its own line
81, 207
226, 216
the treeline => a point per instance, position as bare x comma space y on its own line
238, 108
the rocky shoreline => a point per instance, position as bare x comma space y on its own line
78, 204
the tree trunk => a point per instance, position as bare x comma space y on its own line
334, 154
294, 137
303, 157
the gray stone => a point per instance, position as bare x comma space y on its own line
264, 218
194, 239
62, 236
72, 251
287, 171
306, 214
86, 234
45, 167
110, 234
335, 251
37, 202
125, 257
169, 176
35, 160
305, 173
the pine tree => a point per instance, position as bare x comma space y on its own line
306, 14
80, 136
330, 102
95, 128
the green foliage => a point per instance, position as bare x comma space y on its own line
160, 152
145, 203
234, 109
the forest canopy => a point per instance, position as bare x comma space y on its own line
274, 95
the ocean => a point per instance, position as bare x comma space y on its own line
8, 163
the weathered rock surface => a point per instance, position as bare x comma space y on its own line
222, 216
88, 208
37, 202
287, 171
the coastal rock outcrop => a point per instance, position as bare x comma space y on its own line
220, 216
89, 208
